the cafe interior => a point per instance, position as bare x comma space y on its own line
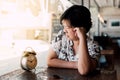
31, 25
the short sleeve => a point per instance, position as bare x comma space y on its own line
57, 42
94, 49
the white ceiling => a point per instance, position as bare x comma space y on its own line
100, 3
108, 3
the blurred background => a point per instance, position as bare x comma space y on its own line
34, 23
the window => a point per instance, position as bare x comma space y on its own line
114, 23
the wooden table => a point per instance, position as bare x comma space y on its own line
44, 73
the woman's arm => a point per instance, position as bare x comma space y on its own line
85, 62
53, 61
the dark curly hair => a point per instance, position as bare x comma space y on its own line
79, 16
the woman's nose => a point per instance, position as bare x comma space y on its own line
64, 30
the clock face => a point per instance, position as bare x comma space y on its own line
31, 61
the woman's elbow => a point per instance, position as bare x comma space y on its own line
83, 71
48, 64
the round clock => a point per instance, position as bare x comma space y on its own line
29, 60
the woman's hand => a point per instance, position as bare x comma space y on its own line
80, 32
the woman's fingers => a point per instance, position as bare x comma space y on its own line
80, 31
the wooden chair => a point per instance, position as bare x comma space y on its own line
109, 56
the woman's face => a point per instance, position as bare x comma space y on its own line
69, 30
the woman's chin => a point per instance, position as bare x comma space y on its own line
75, 39
69, 38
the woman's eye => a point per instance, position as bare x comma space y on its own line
68, 27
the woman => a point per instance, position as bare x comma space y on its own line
72, 48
